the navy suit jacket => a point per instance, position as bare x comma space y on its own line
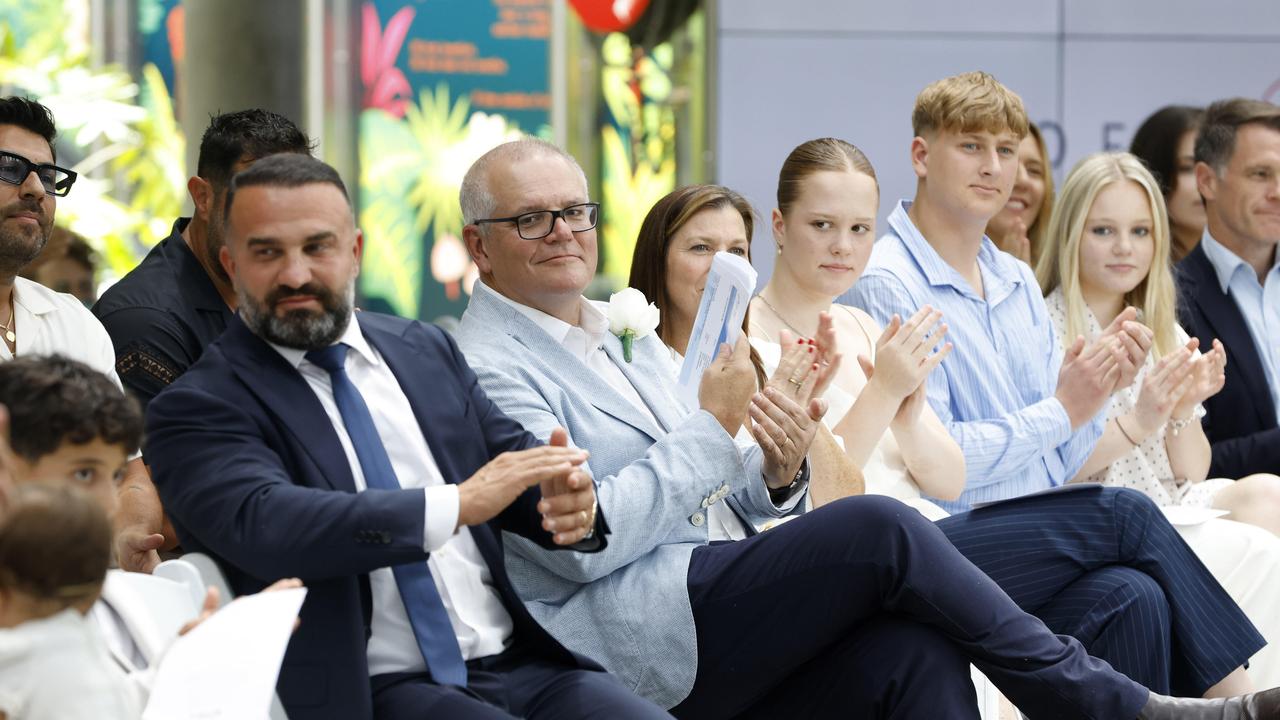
251, 471
1241, 419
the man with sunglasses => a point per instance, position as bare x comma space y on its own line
35, 320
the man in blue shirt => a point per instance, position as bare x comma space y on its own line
1024, 419
1231, 284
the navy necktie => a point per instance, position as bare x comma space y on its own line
426, 612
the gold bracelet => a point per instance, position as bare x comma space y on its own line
1124, 432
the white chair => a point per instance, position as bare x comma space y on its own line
197, 572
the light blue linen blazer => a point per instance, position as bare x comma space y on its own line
627, 606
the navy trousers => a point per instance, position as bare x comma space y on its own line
868, 602
513, 684
1103, 565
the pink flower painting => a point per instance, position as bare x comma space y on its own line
385, 86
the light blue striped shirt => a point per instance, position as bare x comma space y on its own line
994, 392
1258, 303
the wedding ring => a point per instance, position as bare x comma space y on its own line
798, 383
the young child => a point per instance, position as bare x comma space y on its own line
70, 426
55, 544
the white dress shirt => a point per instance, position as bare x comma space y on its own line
1259, 303
584, 341
48, 322
480, 621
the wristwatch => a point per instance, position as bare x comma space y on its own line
777, 495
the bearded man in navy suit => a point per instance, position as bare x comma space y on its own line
357, 452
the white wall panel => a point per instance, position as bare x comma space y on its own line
1089, 70
1109, 88
1187, 18
834, 16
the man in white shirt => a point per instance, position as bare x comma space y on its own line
35, 320
356, 452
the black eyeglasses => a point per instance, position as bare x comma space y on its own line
14, 170
539, 223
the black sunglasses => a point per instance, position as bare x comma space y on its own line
14, 170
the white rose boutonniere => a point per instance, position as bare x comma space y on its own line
631, 317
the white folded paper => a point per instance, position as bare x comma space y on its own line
227, 666
1184, 516
728, 291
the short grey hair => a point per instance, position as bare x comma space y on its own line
476, 197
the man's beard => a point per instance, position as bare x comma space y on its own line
18, 248
299, 329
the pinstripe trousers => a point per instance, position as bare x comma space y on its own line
1104, 566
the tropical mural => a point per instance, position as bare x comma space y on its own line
443, 83
119, 132
637, 145
649, 134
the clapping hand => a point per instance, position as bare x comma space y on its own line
905, 357
1015, 241
1135, 339
1207, 376
1088, 377
1162, 390
568, 504
501, 480
786, 414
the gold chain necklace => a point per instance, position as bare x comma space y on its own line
769, 305
8, 327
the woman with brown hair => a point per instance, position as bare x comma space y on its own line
677, 241
1165, 143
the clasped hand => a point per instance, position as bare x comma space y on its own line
568, 505
785, 415
1090, 373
